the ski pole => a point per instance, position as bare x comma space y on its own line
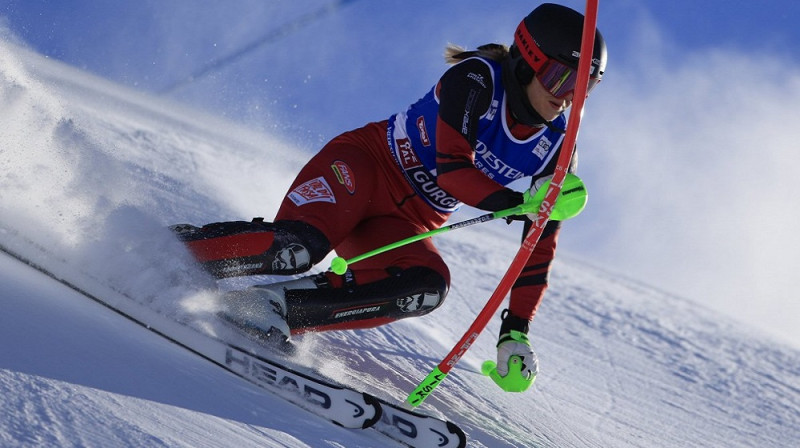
339, 264
571, 202
439, 373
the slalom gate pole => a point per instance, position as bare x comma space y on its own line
439, 373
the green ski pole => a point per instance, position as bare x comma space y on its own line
339, 265
570, 203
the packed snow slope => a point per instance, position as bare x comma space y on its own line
668, 145
92, 173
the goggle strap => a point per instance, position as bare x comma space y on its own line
528, 48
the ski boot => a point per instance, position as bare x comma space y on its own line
260, 311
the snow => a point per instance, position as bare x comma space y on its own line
93, 172
673, 148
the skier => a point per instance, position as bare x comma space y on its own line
495, 116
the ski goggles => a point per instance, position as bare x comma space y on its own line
556, 77
560, 79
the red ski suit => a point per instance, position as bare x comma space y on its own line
356, 194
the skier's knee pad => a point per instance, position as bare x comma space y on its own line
295, 239
418, 290
410, 292
236, 248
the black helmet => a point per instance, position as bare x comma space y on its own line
549, 33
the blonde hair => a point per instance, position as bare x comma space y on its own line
453, 53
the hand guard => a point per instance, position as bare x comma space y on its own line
517, 365
570, 203
530, 206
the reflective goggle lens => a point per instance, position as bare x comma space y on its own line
560, 79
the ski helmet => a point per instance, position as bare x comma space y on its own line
549, 37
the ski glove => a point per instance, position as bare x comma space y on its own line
570, 203
517, 365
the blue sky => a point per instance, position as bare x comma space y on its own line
684, 146
751, 26
81, 31
153, 45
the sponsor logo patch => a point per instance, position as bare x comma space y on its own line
356, 311
315, 190
423, 181
406, 156
242, 267
477, 78
420, 179
423, 131
492, 165
543, 147
344, 175
292, 257
418, 302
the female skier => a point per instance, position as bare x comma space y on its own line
495, 116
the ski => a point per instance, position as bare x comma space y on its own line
404, 425
342, 405
409, 427
418, 430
